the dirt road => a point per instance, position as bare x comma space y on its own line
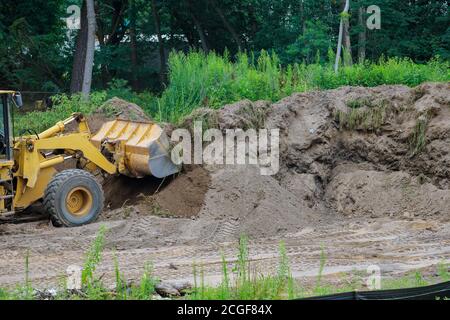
397, 246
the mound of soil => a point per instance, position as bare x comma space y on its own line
362, 152
116, 108
352, 151
180, 196
255, 205
184, 194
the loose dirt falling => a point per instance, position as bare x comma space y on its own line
185, 195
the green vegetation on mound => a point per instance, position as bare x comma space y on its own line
199, 80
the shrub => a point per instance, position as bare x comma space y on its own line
200, 80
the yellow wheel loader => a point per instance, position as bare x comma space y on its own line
73, 197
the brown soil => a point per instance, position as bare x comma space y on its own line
328, 169
183, 196
351, 245
360, 184
179, 196
116, 108
123, 191
372, 167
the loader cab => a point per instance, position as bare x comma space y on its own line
6, 134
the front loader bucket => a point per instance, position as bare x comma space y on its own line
160, 163
139, 148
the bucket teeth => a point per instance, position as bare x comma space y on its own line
140, 148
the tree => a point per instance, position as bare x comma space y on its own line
162, 55
362, 37
198, 26
347, 42
90, 49
79, 57
344, 16
133, 46
112, 29
313, 43
32, 52
38, 52
226, 24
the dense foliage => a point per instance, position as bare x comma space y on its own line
197, 80
37, 49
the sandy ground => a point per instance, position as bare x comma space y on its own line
397, 246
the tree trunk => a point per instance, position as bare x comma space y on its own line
117, 26
162, 55
341, 35
101, 37
227, 24
133, 44
302, 16
362, 37
76, 83
348, 61
198, 27
90, 49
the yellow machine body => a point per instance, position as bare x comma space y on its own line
139, 148
35, 158
135, 149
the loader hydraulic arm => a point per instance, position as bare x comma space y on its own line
60, 126
31, 149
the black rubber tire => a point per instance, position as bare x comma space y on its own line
56, 193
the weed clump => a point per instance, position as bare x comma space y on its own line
417, 140
245, 283
362, 115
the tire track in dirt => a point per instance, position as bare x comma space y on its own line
395, 245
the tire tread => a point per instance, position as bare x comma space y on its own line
52, 189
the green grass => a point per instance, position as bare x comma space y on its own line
199, 80
240, 280
249, 284
212, 81
418, 138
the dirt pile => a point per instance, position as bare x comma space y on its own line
368, 152
181, 196
355, 151
116, 108
393, 140
125, 191
245, 202
354, 191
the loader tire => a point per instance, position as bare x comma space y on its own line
73, 198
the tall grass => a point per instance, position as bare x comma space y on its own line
239, 281
200, 80
243, 282
196, 79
